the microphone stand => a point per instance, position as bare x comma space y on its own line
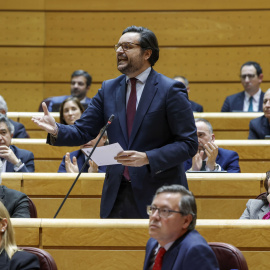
85, 163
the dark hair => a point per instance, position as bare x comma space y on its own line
186, 82
148, 41
86, 75
265, 184
187, 204
254, 64
74, 99
10, 126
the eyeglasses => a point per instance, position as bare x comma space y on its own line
250, 76
125, 46
162, 212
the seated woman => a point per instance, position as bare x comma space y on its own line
260, 127
71, 110
11, 257
259, 208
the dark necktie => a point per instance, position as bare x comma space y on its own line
131, 111
159, 258
250, 107
203, 166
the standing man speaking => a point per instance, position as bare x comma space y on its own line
153, 123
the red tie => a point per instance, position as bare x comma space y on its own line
158, 260
131, 111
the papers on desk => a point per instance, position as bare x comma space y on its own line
104, 155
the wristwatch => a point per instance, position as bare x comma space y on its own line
216, 167
18, 165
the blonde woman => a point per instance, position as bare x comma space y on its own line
11, 257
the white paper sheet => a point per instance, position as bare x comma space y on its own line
104, 155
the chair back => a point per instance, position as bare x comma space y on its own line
261, 196
47, 101
32, 209
45, 259
228, 256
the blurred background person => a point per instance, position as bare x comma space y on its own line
70, 111
196, 107
259, 127
11, 257
259, 208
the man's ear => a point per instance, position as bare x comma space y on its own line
213, 137
187, 220
147, 54
3, 111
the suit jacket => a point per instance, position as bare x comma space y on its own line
190, 251
21, 260
80, 161
60, 99
227, 159
15, 201
258, 128
163, 128
236, 102
196, 107
19, 130
25, 156
256, 209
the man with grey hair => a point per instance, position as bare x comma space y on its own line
196, 107
13, 159
174, 242
210, 157
19, 129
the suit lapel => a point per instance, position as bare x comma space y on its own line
240, 101
121, 107
148, 94
264, 210
261, 102
2, 195
149, 253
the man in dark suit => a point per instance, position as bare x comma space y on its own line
260, 127
174, 242
196, 107
15, 201
13, 159
251, 99
79, 86
19, 129
209, 157
153, 123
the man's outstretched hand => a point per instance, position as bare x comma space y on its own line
46, 122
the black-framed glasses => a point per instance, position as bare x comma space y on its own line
162, 212
125, 46
250, 76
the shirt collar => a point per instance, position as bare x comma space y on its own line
143, 76
256, 97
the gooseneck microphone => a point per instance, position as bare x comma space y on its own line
85, 163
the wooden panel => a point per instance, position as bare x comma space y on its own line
21, 64
27, 231
32, 94
254, 166
22, 28
98, 259
171, 28
22, 5
155, 5
73, 208
11, 180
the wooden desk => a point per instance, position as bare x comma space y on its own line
218, 196
120, 244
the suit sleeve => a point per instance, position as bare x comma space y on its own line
21, 207
29, 165
24, 261
252, 132
246, 214
226, 106
181, 123
233, 165
20, 131
200, 257
62, 167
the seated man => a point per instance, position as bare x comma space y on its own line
260, 127
251, 99
73, 162
195, 106
79, 86
209, 157
174, 242
13, 159
15, 201
19, 131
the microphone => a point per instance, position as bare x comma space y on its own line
85, 163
